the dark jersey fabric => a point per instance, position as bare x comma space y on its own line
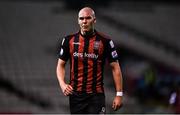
87, 56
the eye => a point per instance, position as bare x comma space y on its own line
81, 18
88, 17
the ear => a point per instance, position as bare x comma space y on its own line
94, 20
78, 20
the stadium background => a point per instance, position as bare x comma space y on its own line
146, 34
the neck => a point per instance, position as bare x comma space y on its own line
88, 33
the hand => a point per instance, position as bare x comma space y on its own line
117, 103
67, 89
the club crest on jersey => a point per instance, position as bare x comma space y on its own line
96, 45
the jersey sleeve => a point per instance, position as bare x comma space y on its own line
112, 54
63, 52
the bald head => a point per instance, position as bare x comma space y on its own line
88, 10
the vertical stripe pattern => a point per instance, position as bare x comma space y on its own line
87, 61
76, 40
96, 51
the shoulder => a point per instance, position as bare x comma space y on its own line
70, 36
103, 36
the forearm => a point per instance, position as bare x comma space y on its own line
117, 80
60, 75
117, 76
60, 71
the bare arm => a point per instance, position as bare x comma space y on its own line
60, 71
117, 76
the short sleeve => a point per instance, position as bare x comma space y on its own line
112, 54
63, 52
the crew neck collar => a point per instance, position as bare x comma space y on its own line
89, 35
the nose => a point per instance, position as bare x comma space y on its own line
84, 20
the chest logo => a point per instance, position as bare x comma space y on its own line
96, 45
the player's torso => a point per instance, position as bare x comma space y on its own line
89, 49
87, 58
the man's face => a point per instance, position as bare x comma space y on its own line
86, 21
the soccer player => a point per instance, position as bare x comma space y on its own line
87, 51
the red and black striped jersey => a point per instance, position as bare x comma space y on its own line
87, 56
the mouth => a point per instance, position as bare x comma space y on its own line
84, 27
